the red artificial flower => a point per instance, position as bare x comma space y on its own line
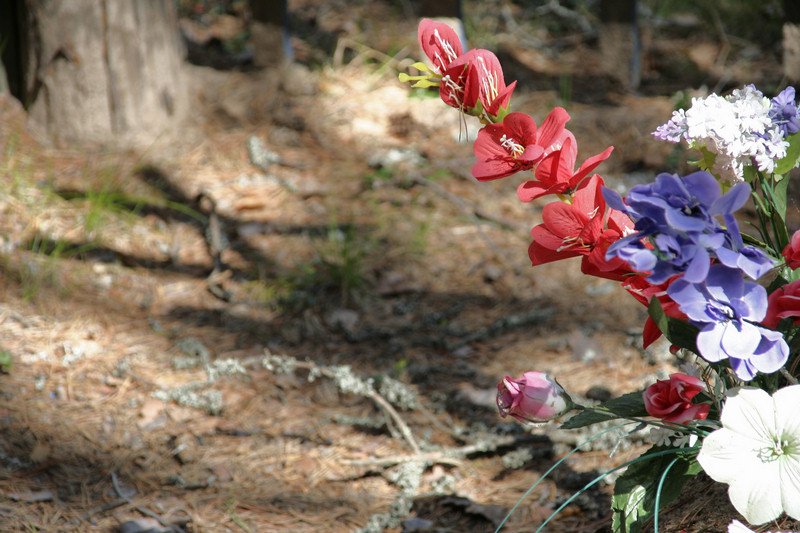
618, 224
476, 77
516, 144
582, 229
644, 291
555, 173
671, 400
506, 148
534, 397
569, 230
783, 302
791, 254
440, 43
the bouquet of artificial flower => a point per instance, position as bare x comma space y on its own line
730, 298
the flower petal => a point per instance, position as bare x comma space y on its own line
750, 412
786, 401
439, 42
552, 130
756, 494
731, 200
790, 484
722, 454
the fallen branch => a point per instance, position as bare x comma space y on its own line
470, 208
449, 456
347, 382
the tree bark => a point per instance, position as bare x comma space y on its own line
791, 41
102, 71
620, 44
270, 34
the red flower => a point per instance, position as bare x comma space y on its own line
440, 43
569, 230
555, 174
792, 251
516, 144
476, 77
783, 302
582, 229
671, 400
644, 291
596, 264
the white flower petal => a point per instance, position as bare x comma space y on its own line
749, 411
757, 495
727, 456
790, 484
786, 402
738, 527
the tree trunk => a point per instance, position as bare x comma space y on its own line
269, 33
102, 71
620, 44
791, 41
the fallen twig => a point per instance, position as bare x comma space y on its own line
449, 456
349, 383
142, 510
470, 208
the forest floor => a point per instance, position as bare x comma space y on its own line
292, 314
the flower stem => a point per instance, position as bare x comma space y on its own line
790, 378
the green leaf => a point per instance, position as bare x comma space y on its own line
708, 160
776, 199
792, 153
626, 406
779, 196
678, 332
750, 173
633, 503
777, 283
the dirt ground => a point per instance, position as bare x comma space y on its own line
290, 314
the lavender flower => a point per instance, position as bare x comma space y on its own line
726, 309
678, 218
674, 130
784, 112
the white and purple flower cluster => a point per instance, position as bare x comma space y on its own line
742, 129
678, 234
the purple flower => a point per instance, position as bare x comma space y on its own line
726, 309
678, 218
674, 130
784, 112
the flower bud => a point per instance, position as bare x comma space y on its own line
534, 397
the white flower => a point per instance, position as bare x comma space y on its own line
737, 128
738, 527
757, 452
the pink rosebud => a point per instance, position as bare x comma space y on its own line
671, 399
534, 397
792, 251
783, 302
